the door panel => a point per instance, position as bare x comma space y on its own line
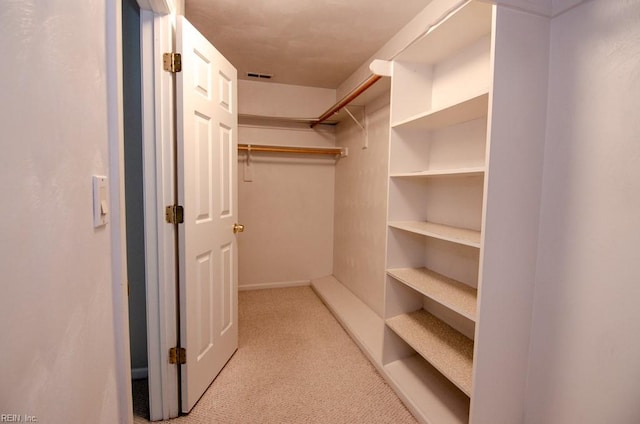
206, 95
226, 178
227, 298
203, 181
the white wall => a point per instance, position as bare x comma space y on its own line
283, 100
361, 206
287, 208
585, 353
56, 309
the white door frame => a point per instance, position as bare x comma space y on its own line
157, 27
115, 125
156, 34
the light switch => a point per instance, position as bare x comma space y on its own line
100, 201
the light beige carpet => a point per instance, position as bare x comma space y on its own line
294, 364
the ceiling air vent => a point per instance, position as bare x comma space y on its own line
259, 75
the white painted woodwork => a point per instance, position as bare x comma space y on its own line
452, 202
464, 172
457, 296
458, 146
453, 98
160, 7
421, 387
381, 67
446, 349
447, 115
516, 133
158, 130
439, 231
426, 392
207, 185
362, 324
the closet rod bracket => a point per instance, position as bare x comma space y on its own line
360, 123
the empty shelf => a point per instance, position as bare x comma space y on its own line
462, 172
427, 392
466, 110
439, 231
449, 351
453, 294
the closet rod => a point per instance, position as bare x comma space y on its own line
347, 99
289, 149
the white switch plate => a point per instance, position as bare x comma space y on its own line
100, 201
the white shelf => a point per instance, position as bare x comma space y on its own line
454, 172
360, 321
443, 232
453, 294
424, 390
449, 351
469, 23
427, 392
466, 110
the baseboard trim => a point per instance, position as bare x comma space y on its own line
139, 373
277, 285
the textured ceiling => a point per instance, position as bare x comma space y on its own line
316, 43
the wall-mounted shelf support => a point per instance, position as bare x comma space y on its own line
362, 127
362, 123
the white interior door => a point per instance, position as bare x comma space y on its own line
207, 126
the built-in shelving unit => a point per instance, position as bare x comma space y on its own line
438, 141
466, 150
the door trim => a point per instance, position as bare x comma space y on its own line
157, 37
117, 231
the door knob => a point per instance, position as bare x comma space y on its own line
238, 228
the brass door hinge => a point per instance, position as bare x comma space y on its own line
177, 355
174, 214
172, 62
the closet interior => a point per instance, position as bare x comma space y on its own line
428, 266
